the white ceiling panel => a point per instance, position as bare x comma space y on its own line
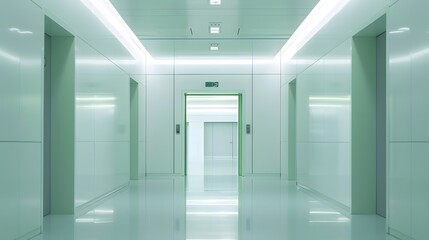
182, 27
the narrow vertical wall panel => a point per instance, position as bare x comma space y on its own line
160, 124
399, 106
364, 115
420, 191
400, 187
292, 130
284, 127
63, 124
381, 125
134, 130
266, 124
142, 127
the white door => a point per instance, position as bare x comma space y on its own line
220, 148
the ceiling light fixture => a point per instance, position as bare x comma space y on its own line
215, 2
324, 11
214, 28
214, 47
109, 16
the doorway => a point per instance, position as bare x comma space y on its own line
369, 120
213, 134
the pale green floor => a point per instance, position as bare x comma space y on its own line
222, 208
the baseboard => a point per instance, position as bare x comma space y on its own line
263, 175
399, 235
30, 234
345, 210
162, 175
84, 208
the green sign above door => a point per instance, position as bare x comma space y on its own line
212, 84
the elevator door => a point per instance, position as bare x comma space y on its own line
220, 148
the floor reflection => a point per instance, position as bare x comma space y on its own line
214, 207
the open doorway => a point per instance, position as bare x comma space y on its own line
369, 120
213, 164
213, 134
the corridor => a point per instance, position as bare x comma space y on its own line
223, 208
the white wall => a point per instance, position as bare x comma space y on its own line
238, 77
324, 125
142, 124
160, 125
200, 138
266, 124
408, 131
20, 119
195, 151
102, 154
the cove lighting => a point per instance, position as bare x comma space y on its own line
109, 16
324, 11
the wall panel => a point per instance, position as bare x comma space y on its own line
266, 124
160, 124
21, 119
102, 125
324, 126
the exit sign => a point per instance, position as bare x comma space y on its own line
212, 84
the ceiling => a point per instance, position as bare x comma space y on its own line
212, 105
181, 27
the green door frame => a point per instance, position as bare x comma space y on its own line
240, 127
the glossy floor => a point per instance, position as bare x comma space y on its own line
211, 207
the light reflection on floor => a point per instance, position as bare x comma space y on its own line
214, 207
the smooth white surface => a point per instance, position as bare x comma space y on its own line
102, 126
166, 208
220, 148
408, 116
20, 205
284, 123
21, 73
142, 124
266, 120
21, 43
195, 151
160, 128
324, 126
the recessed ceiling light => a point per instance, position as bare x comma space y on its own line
215, 2
214, 28
214, 47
